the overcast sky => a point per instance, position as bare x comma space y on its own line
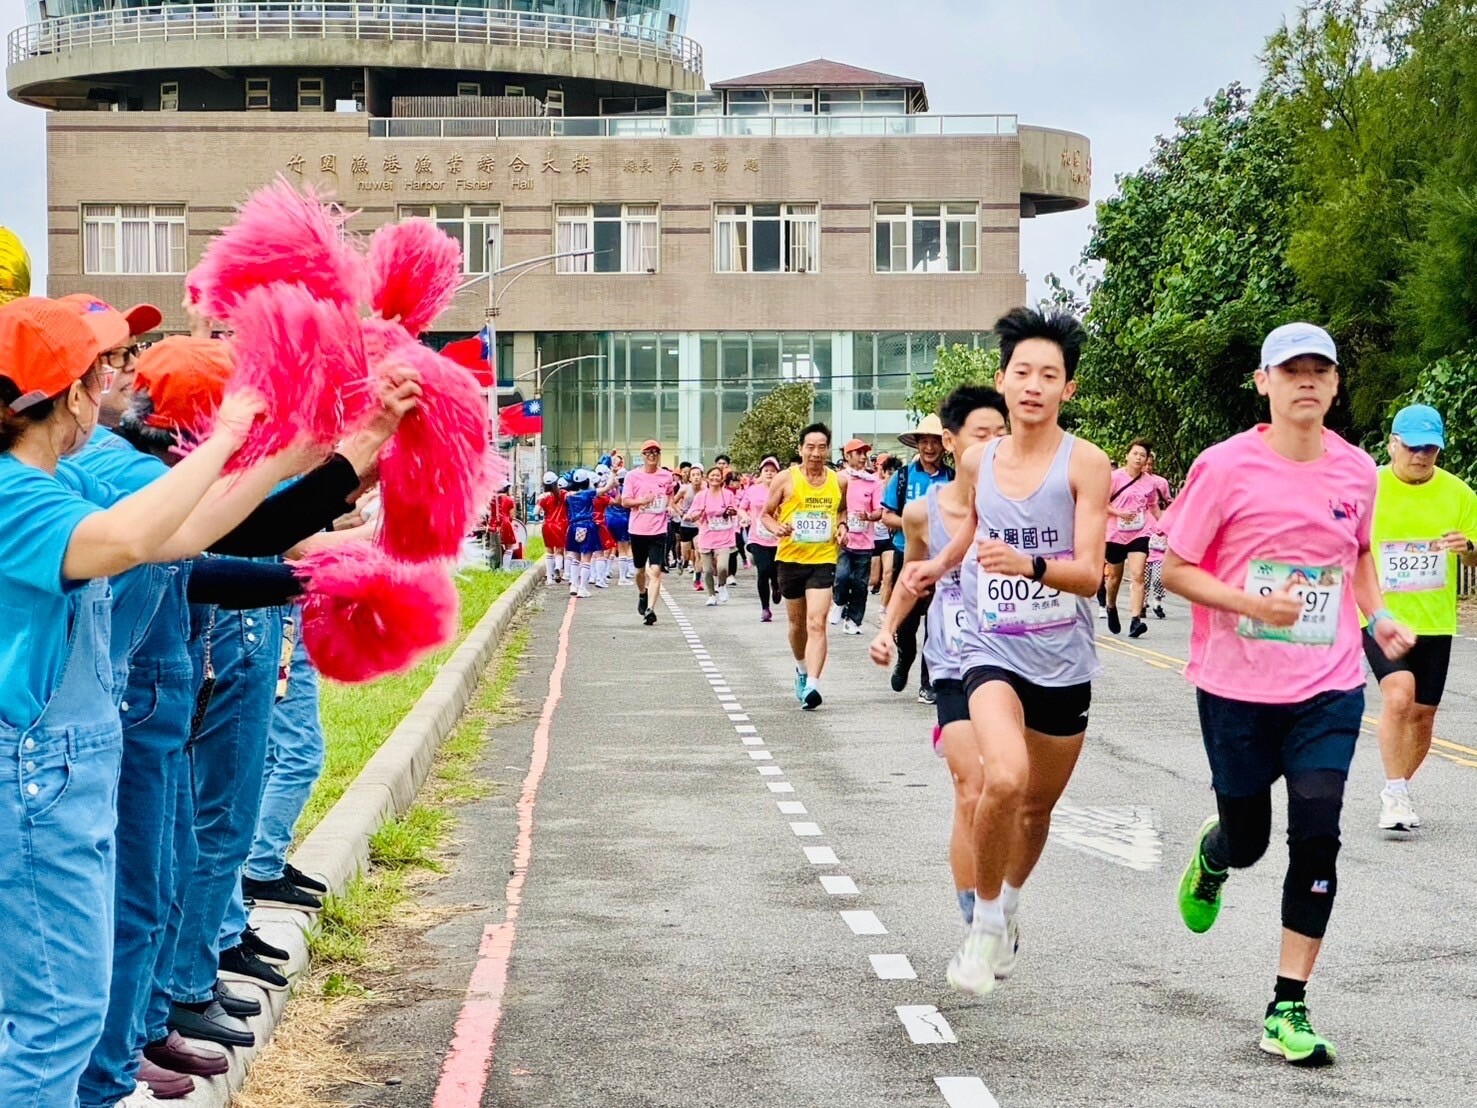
1118, 71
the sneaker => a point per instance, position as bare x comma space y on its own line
281, 893
1200, 887
812, 698
1137, 627
1102, 613
835, 616
1009, 951
601, 585
650, 619
711, 602
272, 955
1158, 611
583, 594
1288, 1032
800, 686
972, 969
1396, 813
1115, 625
848, 628
902, 664
722, 594
926, 695
142, 1096
239, 964
766, 616
641, 605
303, 881
697, 586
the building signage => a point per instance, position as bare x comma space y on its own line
459, 173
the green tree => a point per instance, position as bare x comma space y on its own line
772, 426
956, 365
1450, 386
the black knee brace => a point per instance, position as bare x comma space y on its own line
1244, 831
1314, 802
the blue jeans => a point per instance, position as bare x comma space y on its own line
853, 574
181, 853
226, 761
294, 761
58, 815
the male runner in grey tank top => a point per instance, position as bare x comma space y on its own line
1034, 541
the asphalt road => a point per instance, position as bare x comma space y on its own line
683, 941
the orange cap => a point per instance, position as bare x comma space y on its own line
650, 444
855, 444
106, 322
44, 348
185, 378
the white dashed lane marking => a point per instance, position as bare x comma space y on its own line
839, 886
791, 808
965, 1092
863, 923
925, 1024
806, 830
821, 856
892, 967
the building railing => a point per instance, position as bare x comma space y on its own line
709, 126
372, 22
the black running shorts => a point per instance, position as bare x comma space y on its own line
649, 549
798, 578
1427, 661
1059, 712
1118, 552
950, 700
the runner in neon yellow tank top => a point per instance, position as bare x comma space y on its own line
807, 512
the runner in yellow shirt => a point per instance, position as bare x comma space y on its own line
1423, 520
806, 510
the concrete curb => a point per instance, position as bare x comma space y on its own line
338, 848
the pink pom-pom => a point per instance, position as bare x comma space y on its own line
433, 473
366, 615
499, 470
306, 357
280, 235
414, 271
381, 339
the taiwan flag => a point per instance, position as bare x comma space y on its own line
475, 354
521, 419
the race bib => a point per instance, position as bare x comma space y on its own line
812, 527
720, 523
1158, 542
855, 523
1011, 605
657, 506
1133, 523
1412, 567
1320, 588
881, 532
951, 599
758, 533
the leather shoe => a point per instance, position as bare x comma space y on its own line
165, 1084
182, 1056
213, 1025
242, 1007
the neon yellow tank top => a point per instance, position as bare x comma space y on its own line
812, 512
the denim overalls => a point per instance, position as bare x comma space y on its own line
58, 811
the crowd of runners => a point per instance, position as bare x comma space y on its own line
988, 547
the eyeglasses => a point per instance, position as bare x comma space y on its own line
120, 357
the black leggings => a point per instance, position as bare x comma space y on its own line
766, 576
906, 635
1315, 799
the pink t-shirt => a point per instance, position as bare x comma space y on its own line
863, 497
651, 520
714, 530
752, 500
1128, 495
1245, 515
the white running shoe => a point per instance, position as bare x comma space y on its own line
583, 594
1005, 963
711, 602
847, 627
141, 1097
835, 615
1102, 613
722, 594
972, 969
1396, 813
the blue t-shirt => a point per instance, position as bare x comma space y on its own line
918, 481
581, 505
38, 514
116, 462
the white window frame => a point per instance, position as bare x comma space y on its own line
900, 217
169, 96
157, 234
356, 92
515, 90
465, 223
640, 237
800, 237
258, 94
468, 88
310, 89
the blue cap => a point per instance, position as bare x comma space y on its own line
1420, 425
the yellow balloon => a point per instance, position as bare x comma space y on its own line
15, 267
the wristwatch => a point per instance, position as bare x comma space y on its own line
1038, 568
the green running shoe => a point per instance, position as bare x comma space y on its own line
1288, 1032
1200, 887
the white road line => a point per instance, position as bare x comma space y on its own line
925, 1024
821, 856
746, 729
771, 771
781, 787
892, 967
761, 755
721, 688
806, 830
752, 740
965, 1092
839, 886
864, 923
737, 717
791, 808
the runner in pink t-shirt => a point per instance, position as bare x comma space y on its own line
1269, 540
648, 493
1158, 543
762, 545
854, 560
1133, 500
715, 511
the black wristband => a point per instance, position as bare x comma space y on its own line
1471, 546
1038, 568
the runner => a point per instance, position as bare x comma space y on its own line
1422, 517
1034, 532
556, 527
715, 511
970, 414
1277, 583
584, 535
1132, 501
806, 510
1154, 571
882, 550
912, 482
854, 563
618, 521
648, 494
688, 531
761, 542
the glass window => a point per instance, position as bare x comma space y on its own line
669, 361
310, 94
892, 371
735, 359
927, 238
709, 348
863, 351
766, 238
643, 362
258, 94
846, 101
133, 238
624, 237
169, 96
766, 359
477, 229
748, 102
792, 101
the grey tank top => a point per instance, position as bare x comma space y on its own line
1015, 623
943, 630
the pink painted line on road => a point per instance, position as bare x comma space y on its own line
468, 1062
